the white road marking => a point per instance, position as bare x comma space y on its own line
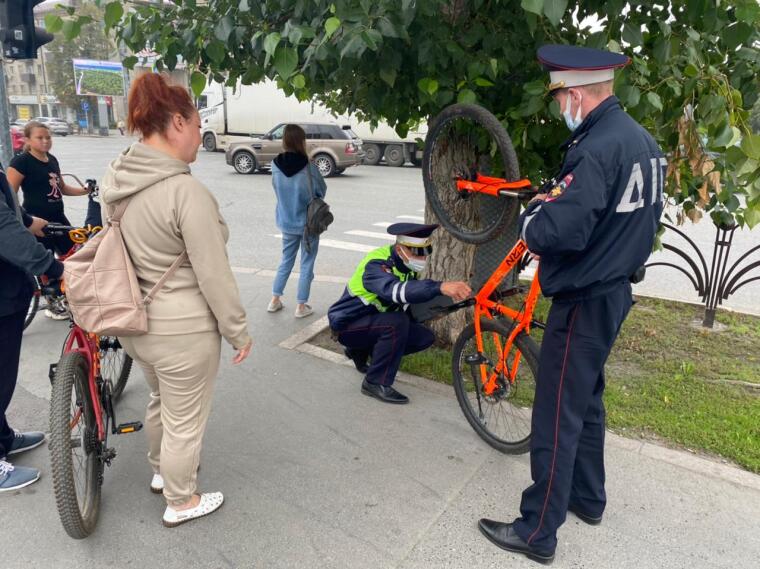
412, 217
345, 245
371, 235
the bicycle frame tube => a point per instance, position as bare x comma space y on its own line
485, 307
86, 344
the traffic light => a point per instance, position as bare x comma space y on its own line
19, 36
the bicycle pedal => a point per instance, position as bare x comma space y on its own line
126, 428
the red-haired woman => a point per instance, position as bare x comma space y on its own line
169, 212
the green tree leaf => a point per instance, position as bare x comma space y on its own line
483, 82
197, 83
654, 100
632, 35
285, 61
533, 6
224, 28
751, 145
299, 81
428, 85
271, 42
555, 10
113, 13
388, 75
53, 23
243, 6
331, 26
467, 96
129, 62
216, 51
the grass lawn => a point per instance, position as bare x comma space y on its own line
670, 380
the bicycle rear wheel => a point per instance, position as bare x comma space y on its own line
74, 448
465, 139
503, 418
115, 365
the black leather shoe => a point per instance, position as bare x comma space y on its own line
589, 519
503, 535
384, 393
359, 358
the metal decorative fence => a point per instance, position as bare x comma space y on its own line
720, 281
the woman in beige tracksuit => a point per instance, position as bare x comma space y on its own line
170, 212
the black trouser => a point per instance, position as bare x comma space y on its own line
11, 332
387, 336
567, 429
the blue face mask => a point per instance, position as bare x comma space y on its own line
572, 123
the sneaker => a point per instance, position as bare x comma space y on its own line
26, 441
304, 311
210, 502
157, 484
274, 306
16, 477
56, 315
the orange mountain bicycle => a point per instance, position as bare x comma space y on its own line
87, 380
494, 360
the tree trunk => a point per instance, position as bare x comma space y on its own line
453, 260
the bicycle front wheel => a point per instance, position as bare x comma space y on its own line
465, 139
74, 447
34, 305
501, 418
115, 365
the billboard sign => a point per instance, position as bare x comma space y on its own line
93, 77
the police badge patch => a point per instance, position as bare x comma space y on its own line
560, 188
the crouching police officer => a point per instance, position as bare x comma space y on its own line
593, 230
371, 318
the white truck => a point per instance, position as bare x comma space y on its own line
234, 115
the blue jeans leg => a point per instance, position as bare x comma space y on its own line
307, 269
290, 243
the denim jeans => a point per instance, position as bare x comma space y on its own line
291, 242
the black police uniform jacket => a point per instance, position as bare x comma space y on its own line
394, 293
599, 220
20, 254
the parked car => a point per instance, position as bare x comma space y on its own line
56, 125
332, 149
20, 122
18, 139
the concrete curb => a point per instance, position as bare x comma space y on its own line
681, 459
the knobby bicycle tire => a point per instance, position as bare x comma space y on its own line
434, 137
119, 381
529, 350
34, 308
71, 379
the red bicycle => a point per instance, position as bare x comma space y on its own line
82, 415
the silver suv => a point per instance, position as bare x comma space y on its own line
56, 125
332, 149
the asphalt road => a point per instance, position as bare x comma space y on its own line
364, 200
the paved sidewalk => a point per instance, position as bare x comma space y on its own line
317, 475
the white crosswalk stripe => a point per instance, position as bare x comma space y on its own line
345, 245
412, 217
371, 234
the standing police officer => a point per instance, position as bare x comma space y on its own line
371, 318
593, 230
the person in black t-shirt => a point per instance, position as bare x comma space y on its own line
37, 173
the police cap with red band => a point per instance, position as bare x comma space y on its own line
573, 66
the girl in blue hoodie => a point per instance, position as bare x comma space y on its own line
294, 179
